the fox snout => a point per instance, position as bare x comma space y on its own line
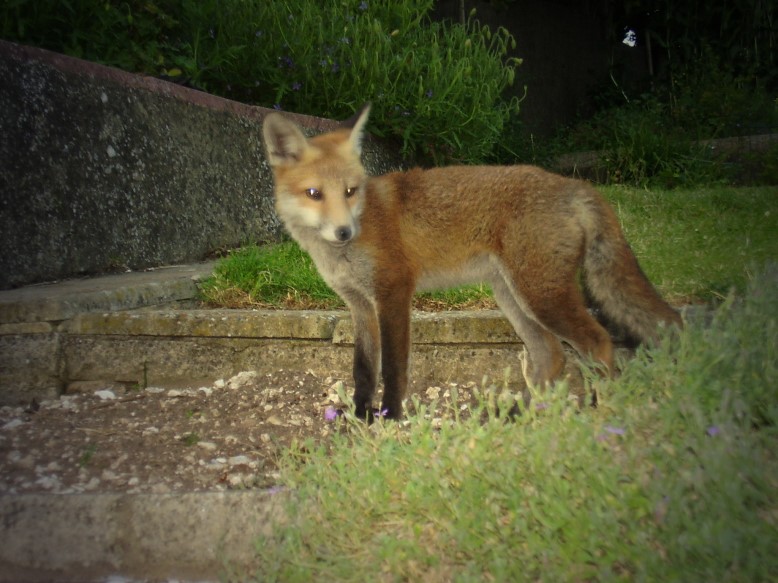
338, 233
344, 234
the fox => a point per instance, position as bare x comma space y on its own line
526, 232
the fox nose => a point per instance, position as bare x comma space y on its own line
343, 234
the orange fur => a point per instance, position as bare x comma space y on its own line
525, 231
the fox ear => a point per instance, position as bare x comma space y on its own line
284, 142
357, 124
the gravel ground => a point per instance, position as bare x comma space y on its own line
118, 439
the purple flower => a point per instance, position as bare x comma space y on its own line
285, 61
296, 86
713, 431
330, 414
614, 430
429, 93
610, 430
381, 412
363, 6
277, 106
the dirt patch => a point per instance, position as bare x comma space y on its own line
118, 439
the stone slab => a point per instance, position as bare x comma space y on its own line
299, 324
169, 361
30, 367
481, 327
63, 300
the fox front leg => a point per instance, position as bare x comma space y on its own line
395, 322
367, 351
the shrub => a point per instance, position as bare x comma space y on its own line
435, 87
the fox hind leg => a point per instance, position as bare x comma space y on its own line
544, 358
562, 310
547, 290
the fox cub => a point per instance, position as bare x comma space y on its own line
526, 232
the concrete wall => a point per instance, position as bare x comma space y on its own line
102, 170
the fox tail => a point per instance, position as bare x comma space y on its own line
615, 282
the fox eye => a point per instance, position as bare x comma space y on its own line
313, 194
351, 191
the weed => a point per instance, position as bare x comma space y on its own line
190, 439
86, 456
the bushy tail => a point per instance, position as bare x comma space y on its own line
616, 283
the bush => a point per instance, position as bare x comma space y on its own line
640, 146
435, 87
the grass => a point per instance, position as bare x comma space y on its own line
284, 276
672, 478
694, 244
697, 244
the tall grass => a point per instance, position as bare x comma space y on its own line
672, 478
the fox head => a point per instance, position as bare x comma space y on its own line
319, 182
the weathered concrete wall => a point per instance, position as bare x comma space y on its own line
103, 170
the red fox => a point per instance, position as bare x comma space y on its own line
525, 231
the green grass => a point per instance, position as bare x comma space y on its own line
694, 244
672, 478
697, 244
284, 276
275, 276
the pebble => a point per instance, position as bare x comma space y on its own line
209, 445
105, 394
13, 423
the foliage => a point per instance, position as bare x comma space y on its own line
739, 35
715, 74
135, 35
671, 478
435, 87
648, 141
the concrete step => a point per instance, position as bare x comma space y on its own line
134, 537
132, 328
